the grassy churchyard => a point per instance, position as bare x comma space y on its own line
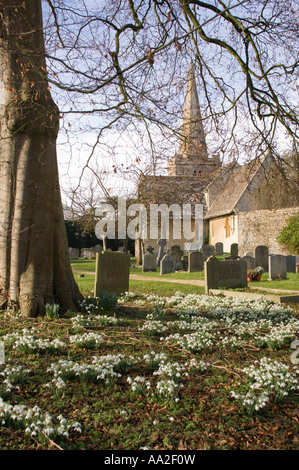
162, 367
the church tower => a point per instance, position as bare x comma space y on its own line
192, 158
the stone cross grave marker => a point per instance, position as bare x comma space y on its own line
112, 272
196, 261
226, 274
162, 242
261, 257
167, 264
177, 253
277, 267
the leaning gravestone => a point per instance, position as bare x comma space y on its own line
250, 261
207, 251
219, 248
196, 261
291, 264
231, 274
167, 264
261, 257
277, 267
234, 250
149, 262
112, 272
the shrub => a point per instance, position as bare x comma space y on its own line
289, 235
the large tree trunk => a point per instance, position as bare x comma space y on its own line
34, 260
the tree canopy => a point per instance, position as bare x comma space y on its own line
121, 66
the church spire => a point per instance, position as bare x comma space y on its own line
192, 143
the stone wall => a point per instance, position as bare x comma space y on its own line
262, 227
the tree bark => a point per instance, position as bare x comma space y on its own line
34, 260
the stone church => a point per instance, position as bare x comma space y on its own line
229, 194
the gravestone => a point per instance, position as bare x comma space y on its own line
185, 262
226, 274
167, 264
250, 261
291, 264
249, 253
261, 257
207, 251
196, 261
177, 253
234, 250
112, 272
148, 262
277, 267
219, 248
162, 242
74, 253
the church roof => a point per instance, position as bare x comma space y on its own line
235, 187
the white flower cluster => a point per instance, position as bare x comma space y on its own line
266, 379
87, 321
125, 297
139, 384
153, 359
153, 327
168, 388
278, 336
102, 369
34, 421
245, 322
13, 375
82, 321
172, 370
28, 342
87, 340
198, 341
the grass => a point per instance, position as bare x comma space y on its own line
291, 283
112, 416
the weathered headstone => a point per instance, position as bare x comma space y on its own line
291, 264
74, 253
277, 267
185, 262
249, 253
207, 251
234, 250
249, 260
261, 257
231, 274
167, 264
196, 261
112, 272
162, 242
219, 248
149, 262
177, 253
